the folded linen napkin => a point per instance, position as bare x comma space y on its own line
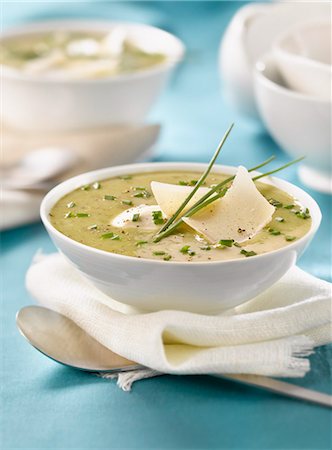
269, 335
95, 148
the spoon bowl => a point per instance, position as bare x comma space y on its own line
60, 339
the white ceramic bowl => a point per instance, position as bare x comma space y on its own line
303, 56
301, 124
151, 285
34, 102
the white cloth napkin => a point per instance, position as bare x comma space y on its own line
95, 148
268, 335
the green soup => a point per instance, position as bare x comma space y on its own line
76, 54
85, 215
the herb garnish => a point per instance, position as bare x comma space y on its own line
86, 187
167, 257
290, 238
206, 247
303, 214
111, 235
71, 205
289, 206
92, 227
159, 253
279, 219
186, 250
125, 177
157, 217
109, 197
127, 202
70, 215
220, 192
274, 232
226, 242
139, 243
198, 184
247, 253
275, 203
142, 194
96, 185
135, 217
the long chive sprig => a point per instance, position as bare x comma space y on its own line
203, 202
199, 182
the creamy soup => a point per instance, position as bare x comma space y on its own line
76, 54
86, 215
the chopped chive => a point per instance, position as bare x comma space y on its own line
157, 217
69, 215
247, 253
206, 247
274, 232
275, 203
96, 185
167, 257
289, 206
303, 214
139, 243
125, 177
236, 244
226, 242
193, 182
159, 253
135, 217
279, 219
109, 197
127, 202
111, 235
139, 188
186, 250
82, 215
71, 205
142, 194
92, 227
290, 238
86, 187
183, 183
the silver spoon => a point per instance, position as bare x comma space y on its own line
39, 166
60, 339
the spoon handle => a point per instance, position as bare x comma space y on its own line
281, 387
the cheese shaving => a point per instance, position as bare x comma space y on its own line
239, 215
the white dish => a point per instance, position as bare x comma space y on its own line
249, 35
32, 102
151, 285
303, 56
301, 124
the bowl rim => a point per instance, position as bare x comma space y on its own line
269, 60
278, 45
98, 175
94, 24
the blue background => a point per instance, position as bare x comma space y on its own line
45, 405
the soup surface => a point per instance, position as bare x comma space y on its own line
85, 215
76, 54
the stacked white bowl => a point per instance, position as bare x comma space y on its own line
288, 80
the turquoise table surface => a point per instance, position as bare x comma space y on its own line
47, 406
